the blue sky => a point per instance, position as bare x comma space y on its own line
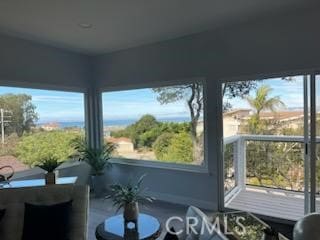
290, 92
53, 106
135, 103
132, 104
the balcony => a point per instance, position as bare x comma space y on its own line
280, 195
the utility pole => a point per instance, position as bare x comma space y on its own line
2, 125
3, 122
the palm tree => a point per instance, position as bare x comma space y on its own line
262, 102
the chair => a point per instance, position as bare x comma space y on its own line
13, 199
307, 228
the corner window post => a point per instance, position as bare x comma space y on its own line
93, 109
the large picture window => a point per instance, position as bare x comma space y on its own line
38, 124
164, 124
264, 152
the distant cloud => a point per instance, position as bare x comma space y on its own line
57, 99
53, 105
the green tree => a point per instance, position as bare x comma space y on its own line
145, 123
180, 149
267, 162
149, 137
32, 149
193, 95
174, 148
276, 164
172, 127
161, 145
142, 133
147, 129
261, 102
22, 113
236, 89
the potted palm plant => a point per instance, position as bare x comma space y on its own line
128, 197
50, 164
97, 158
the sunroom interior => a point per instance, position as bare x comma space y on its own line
101, 57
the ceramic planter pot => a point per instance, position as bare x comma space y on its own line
98, 185
131, 212
51, 177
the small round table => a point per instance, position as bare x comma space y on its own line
147, 227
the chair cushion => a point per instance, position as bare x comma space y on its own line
14, 199
2, 212
49, 222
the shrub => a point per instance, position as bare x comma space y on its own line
174, 148
34, 148
161, 145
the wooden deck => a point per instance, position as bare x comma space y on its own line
281, 204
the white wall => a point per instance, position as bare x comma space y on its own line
262, 47
34, 65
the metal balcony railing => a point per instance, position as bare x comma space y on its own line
264, 160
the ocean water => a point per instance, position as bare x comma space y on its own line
114, 122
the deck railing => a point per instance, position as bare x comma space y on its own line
264, 160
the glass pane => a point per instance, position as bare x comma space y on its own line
38, 124
264, 120
163, 124
275, 165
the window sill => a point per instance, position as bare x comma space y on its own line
161, 165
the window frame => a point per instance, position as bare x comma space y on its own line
50, 87
242, 78
203, 168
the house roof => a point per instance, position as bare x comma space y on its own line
118, 140
237, 111
280, 116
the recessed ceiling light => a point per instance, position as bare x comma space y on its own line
85, 25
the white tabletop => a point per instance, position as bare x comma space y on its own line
37, 182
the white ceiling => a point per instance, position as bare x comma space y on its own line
120, 24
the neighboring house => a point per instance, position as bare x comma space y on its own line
50, 126
235, 120
123, 145
232, 121
283, 119
292, 119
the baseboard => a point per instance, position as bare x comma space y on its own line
183, 200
